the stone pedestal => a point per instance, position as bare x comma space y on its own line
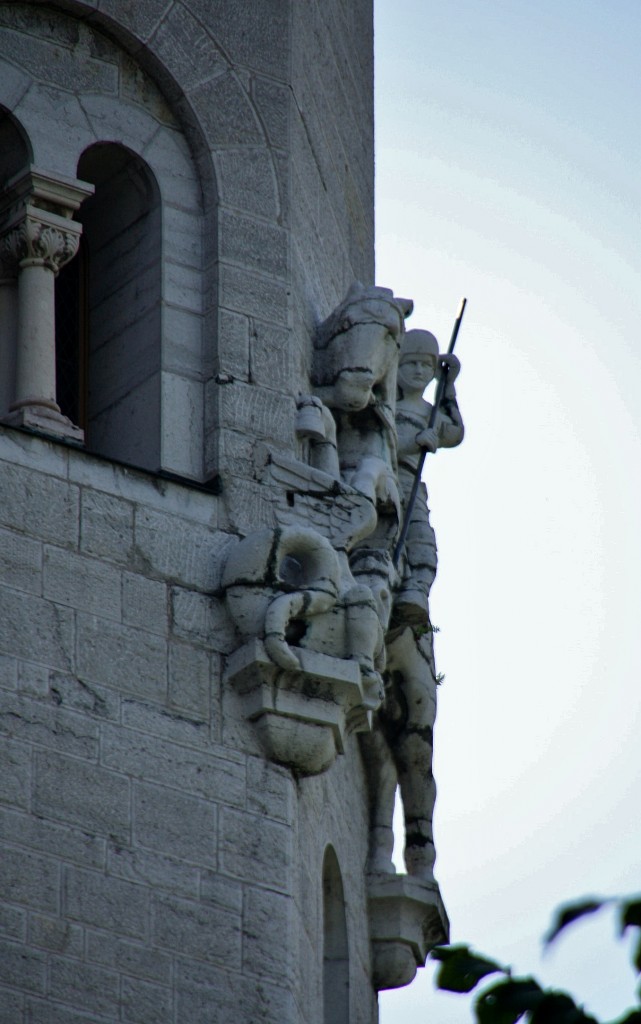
407, 919
301, 716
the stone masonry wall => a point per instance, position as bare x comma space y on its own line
155, 868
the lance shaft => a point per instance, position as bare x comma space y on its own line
438, 398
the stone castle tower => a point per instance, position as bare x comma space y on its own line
193, 527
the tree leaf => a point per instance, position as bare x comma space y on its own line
569, 913
631, 1017
461, 969
630, 914
636, 959
507, 1001
559, 1008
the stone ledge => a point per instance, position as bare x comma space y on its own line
407, 919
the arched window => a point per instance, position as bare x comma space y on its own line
335, 946
108, 310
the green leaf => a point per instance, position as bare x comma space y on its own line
507, 1001
461, 969
559, 1008
636, 959
569, 913
631, 914
631, 1017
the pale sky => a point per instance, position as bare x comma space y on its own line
508, 170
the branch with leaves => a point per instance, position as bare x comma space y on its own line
511, 999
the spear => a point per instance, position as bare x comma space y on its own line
440, 391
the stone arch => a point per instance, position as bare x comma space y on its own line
335, 943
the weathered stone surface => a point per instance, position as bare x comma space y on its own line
22, 968
191, 678
55, 935
107, 903
251, 848
144, 1003
52, 506
200, 931
84, 986
106, 526
127, 957
225, 112
15, 761
144, 603
203, 991
82, 583
153, 869
248, 182
21, 562
217, 775
122, 657
13, 923
30, 879
57, 840
23, 718
175, 823
81, 794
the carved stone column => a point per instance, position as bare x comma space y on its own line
38, 237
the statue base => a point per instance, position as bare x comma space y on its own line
407, 919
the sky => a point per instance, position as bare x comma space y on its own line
508, 156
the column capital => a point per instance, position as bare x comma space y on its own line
35, 220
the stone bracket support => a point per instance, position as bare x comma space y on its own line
301, 716
407, 919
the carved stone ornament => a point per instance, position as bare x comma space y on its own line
41, 238
407, 919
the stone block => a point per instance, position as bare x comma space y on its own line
202, 620
153, 869
32, 721
33, 679
182, 333
44, 105
82, 583
196, 930
106, 526
29, 879
175, 823
259, 40
36, 630
11, 1007
182, 426
93, 798
14, 771
253, 243
44, 1012
177, 549
271, 790
128, 958
246, 292
21, 562
144, 603
271, 358
156, 721
182, 286
205, 993
252, 848
13, 922
225, 112
22, 968
139, 17
56, 935
257, 411
182, 231
53, 506
144, 1003
127, 659
269, 945
190, 680
67, 843
233, 344
217, 775
84, 986
248, 182
8, 672
106, 902
272, 101
46, 60
118, 119
187, 49
73, 694
219, 891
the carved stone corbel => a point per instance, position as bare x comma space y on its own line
407, 919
